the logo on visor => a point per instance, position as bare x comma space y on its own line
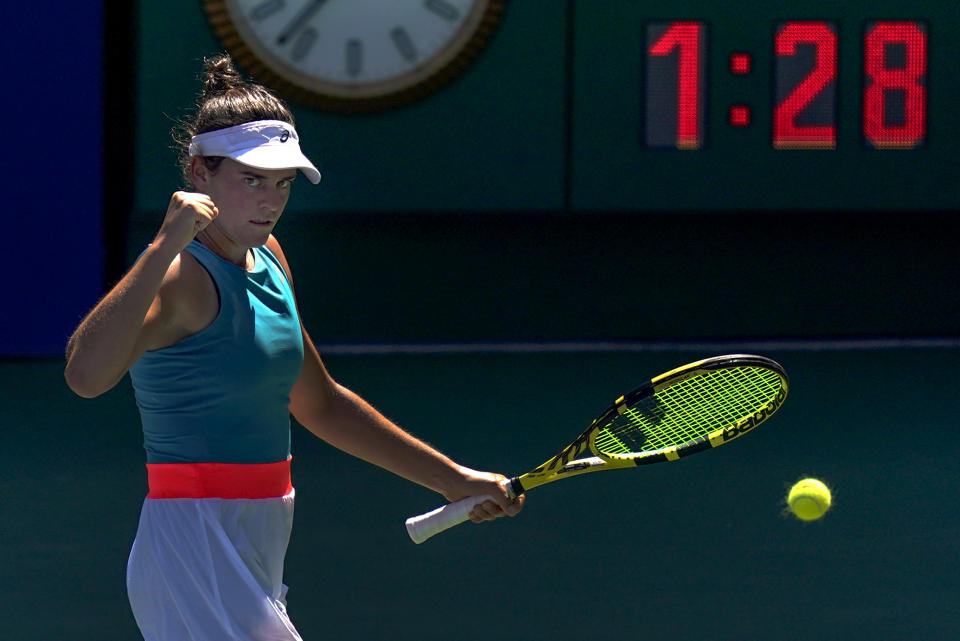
285, 136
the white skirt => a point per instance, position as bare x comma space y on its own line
211, 569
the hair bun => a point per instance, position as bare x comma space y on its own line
226, 100
220, 76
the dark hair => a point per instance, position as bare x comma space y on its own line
227, 100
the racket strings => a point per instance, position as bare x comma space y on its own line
689, 410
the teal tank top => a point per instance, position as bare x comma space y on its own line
222, 395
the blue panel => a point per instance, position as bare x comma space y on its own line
52, 170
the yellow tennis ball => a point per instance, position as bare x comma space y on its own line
809, 499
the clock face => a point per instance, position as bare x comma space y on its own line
354, 55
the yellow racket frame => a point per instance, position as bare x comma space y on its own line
569, 461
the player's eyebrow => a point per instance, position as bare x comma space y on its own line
251, 174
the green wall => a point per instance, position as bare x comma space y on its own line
739, 169
488, 142
517, 204
550, 117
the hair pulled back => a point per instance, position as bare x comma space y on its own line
226, 100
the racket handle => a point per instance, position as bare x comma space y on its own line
420, 528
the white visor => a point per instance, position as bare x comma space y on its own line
263, 144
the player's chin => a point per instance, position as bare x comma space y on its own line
259, 235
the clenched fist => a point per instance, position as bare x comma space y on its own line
187, 215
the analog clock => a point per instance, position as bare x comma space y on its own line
354, 55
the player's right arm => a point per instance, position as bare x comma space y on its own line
144, 310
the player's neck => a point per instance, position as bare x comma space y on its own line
220, 244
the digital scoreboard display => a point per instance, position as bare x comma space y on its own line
804, 100
768, 106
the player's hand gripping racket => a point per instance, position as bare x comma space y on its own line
690, 409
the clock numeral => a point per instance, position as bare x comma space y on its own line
804, 116
303, 44
266, 9
443, 9
354, 57
895, 95
403, 43
676, 71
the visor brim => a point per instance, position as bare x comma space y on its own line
275, 157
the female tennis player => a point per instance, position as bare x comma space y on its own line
206, 323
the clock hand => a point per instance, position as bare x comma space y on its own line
300, 20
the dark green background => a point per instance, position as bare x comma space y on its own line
738, 168
550, 117
699, 549
517, 205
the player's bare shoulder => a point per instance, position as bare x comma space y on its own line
189, 296
274, 246
199, 293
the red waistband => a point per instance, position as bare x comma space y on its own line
219, 480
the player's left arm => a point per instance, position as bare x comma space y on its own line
345, 420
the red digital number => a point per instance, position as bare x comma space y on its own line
787, 134
882, 80
685, 38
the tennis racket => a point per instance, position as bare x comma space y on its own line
690, 409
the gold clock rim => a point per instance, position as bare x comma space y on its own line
390, 94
